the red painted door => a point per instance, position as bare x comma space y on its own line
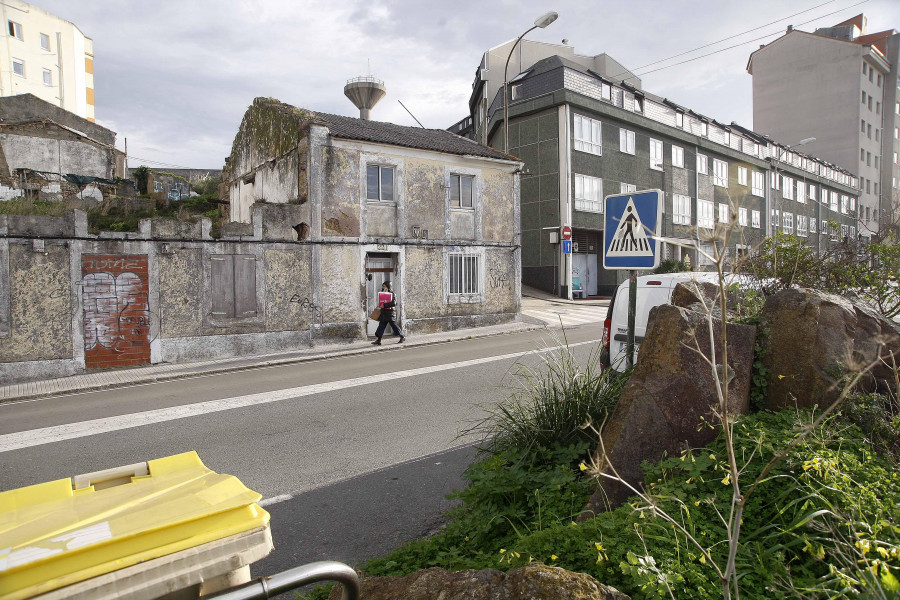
116, 311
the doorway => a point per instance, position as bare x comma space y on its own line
380, 267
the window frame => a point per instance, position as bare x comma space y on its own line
743, 217
626, 141
43, 37
657, 155
678, 156
706, 214
463, 289
47, 76
702, 164
758, 183
583, 202
460, 177
14, 29
592, 144
742, 175
681, 209
755, 219
381, 166
724, 213
720, 173
21, 63
230, 274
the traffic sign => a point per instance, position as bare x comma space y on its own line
632, 223
567, 246
566, 232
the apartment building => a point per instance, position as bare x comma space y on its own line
584, 135
840, 85
48, 57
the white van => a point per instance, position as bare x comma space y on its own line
652, 290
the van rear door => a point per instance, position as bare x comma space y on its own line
650, 293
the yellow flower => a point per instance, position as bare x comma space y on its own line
502, 550
727, 479
582, 466
712, 457
467, 538
703, 559
599, 546
516, 554
553, 557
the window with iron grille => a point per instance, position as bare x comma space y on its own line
233, 286
464, 274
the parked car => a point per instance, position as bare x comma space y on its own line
652, 290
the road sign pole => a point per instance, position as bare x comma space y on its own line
632, 309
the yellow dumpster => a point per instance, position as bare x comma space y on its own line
165, 528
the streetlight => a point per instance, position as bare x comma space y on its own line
541, 22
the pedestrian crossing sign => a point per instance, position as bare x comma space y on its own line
632, 225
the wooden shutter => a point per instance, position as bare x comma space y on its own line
222, 284
244, 285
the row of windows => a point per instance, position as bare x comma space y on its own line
15, 30
706, 213
866, 128
867, 70
807, 225
18, 67
380, 187
866, 100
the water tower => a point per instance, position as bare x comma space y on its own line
365, 92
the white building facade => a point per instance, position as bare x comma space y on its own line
48, 57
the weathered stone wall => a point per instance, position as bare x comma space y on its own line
341, 190
424, 198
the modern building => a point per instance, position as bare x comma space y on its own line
840, 85
584, 130
434, 212
48, 57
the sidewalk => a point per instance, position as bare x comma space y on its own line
530, 292
167, 371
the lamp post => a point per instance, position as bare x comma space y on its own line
541, 22
770, 229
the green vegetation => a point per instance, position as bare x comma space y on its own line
671, 266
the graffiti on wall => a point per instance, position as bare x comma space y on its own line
499, 277
307, 304
116, 311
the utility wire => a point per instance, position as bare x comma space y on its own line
742, 43
162, 164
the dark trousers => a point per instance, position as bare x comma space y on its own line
382, 325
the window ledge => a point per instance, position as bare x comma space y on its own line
465, 299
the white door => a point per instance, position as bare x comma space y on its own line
379, 268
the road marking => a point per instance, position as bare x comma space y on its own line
70, 431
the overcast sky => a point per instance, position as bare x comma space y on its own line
175, 77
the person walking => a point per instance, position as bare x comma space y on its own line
387, 302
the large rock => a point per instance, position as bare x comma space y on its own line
670, 392
814, 339
534, 581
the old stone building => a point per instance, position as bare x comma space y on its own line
435, 213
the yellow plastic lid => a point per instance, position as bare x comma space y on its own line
57, 533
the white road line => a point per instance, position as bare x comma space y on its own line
69, 431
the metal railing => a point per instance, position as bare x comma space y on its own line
268, 587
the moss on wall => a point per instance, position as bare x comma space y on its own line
181, 304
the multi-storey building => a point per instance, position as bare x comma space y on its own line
839, 85
584, 135
48, 57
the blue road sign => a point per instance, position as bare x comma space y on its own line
567, 246
632, 222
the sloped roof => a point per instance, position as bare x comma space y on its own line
437, 140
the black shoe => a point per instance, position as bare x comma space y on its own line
376, 343
402, 339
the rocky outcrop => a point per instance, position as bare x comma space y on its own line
815, 339
534, 581
670, 392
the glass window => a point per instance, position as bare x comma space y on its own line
15, 30
788, 187
18, 67
742, 217
48, 77
379, 183
588, 136
464, 276
681, 210
705, 214
742, 175
656, 154
801, 192
588, 193
787, 220
720, 173
755, 219
461, 191
702, 164
626, 141
759, 183
45, 42
801, 225
724, 213
678, 156
627, 188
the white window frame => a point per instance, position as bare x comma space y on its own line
14, 29
845, 201
456, 183
627, 188
593, 142
759, 184
468, 286
656, 154
706, 218
720, 173
742, 217
833, 205
812, 192
801, 225
588, 193
48, 77
702, 164
812, 225
45, 38
755, 220
742, 175
787, 222
380, 167
20, 63
788, 187
681, 209
678, 156
626, 141
724, 213
801, 192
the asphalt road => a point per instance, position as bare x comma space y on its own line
353, 455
